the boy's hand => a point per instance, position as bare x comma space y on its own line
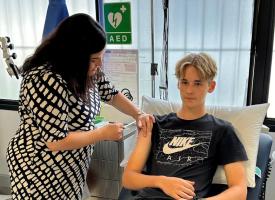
177, 188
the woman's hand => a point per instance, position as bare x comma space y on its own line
177, 188
145, 122
112, 131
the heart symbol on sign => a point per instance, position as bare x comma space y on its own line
114, 19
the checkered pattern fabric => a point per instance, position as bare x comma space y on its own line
48, 112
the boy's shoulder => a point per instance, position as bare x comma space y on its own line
219, 121
221, 125
165, 117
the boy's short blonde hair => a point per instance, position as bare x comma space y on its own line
201, 61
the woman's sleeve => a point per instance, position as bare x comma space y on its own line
105, 88
46, 99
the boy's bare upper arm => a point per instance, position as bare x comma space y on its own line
140, 153
236, 179
235, 173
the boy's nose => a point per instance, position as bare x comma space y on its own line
189, 88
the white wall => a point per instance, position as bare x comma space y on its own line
9, 121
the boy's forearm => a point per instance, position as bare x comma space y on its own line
137, 181
237, 188
233, 192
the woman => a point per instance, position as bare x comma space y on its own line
60, 95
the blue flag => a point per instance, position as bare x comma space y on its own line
57, 11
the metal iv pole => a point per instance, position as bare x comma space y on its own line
154, 66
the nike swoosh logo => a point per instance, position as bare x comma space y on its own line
168, 150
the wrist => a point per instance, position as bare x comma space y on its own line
139, 113
96, 135
158, 181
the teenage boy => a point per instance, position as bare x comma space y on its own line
182, 151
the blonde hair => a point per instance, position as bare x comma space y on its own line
205, 65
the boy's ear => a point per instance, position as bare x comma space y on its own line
212, 86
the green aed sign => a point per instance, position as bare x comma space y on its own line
117, 20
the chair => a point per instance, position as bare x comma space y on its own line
256, 193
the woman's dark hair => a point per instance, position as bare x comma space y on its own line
68, 49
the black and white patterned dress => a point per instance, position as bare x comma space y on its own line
48, 111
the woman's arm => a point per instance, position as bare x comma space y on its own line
79, 139
237, 188
124, 105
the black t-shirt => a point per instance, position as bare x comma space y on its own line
192, 150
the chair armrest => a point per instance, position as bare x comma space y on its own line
263, 163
